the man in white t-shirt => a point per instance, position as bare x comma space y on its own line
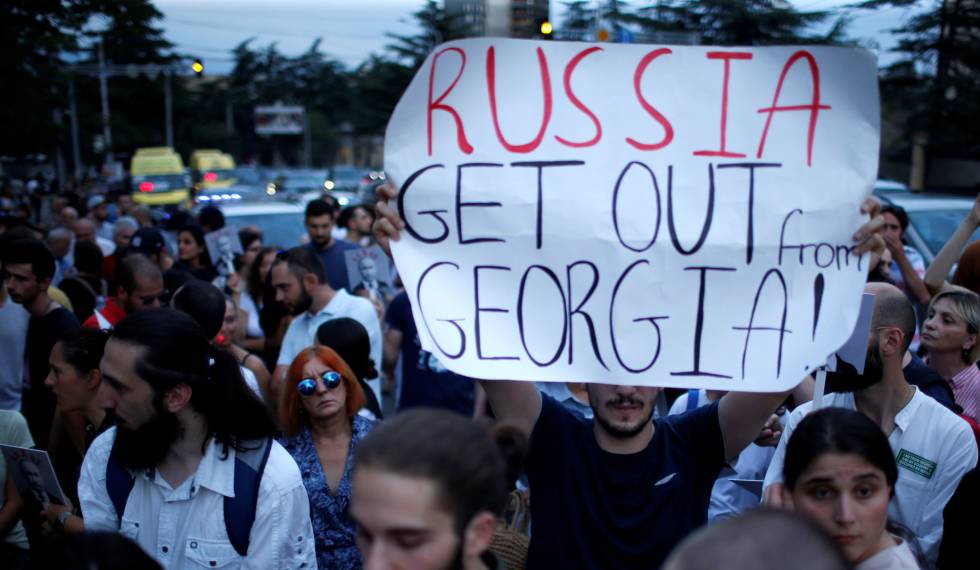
301, 285
933, 447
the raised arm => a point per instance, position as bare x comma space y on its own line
935, 279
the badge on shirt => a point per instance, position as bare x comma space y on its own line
916, 463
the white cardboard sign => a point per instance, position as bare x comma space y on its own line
634, 214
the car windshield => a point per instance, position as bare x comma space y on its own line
279, 230
937, 226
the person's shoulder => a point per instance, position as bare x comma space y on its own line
281, 473
62, 317
98, 453
935, 416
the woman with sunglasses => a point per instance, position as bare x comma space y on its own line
318, 409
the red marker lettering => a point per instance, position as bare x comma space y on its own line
637, 77
814, 107
567, 79
464, 144
545, 86
726, 57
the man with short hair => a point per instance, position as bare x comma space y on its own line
123, 231
139, 285
13, 338
357, 221
319, 223
28, 268
85, 230
933, 446
191, 471
428, 488
68, 217
98, 213
60, 241
300, 284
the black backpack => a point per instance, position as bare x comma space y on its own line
239, 510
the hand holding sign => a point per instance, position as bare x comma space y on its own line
626, 259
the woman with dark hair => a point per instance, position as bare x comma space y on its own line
87, 289
439, 474
75, 378
192, 253
350, 340
951, 335
840, 471
318, 409
252, 300
207, 305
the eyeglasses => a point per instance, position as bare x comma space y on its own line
307, 386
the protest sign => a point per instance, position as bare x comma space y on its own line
634, 214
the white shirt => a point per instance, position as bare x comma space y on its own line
927, 437
302, 331
898, 557
247, 304
185, 527
727, 498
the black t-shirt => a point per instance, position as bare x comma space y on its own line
38, 402
425, 381
918, 374
595, 509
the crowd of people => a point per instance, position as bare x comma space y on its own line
277, 412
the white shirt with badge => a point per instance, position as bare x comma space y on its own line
933, 447
185, 527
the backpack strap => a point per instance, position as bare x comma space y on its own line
118, 482
240, 509
692, 399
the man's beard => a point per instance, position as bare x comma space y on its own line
304, 303
617, 431
846, 379
146, 446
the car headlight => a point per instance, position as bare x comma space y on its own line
329, 185
343, 200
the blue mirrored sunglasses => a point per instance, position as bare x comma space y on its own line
307, 386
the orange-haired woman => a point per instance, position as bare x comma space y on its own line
318, 413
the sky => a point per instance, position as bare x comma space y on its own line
351, 30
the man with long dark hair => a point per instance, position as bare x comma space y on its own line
191, 457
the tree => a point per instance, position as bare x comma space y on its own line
741, 22
937, 81
579, 16
437, 26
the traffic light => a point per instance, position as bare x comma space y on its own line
545, 29
198, 67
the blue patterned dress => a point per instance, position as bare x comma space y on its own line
333, 528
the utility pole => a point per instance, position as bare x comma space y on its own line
76, 154
168, 102
103, 87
